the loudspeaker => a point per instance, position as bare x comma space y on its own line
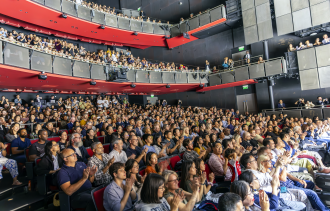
42, 77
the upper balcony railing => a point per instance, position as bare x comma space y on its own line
29, 57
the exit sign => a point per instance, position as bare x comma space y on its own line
152, 96
241, 48
245, 87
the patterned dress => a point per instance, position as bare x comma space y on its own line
10, 164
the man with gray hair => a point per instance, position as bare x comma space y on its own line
77, 145
103, 162
118, 153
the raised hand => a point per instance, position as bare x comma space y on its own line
111, 161
92, 171
86, 173
263, 200
211, 177
177, 199
128, 185
132, 156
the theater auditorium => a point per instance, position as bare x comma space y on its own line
165, 105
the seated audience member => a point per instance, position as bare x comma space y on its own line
161, 149
189, 153
308, 44
280, 104
152, 164
273, 196
75, 179
12, 134
132, 171
70, 125
200, 172
189, 176
172, 187
103, 162
230, 202
10, 164
218, 164
77, 146
260, 60
118, 153
136, 152
231, 160
199, 146
51, 162
38, 148
291, 48
300, 46
148, 140
50, 129
63, 143
18, 145
247, 57
317, 42
108, 136
153, 196
173, 148
119, 194
90, 138
325, 40
243, 189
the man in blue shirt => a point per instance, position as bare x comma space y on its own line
137, 151
77, 146
70, 125
75, 179
18, 146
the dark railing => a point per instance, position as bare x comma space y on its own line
321, 112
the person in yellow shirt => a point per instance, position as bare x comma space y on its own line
198, 145
84, 120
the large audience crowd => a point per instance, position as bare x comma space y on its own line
252, 162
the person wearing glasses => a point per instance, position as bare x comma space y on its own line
77, 146
119, 195
51, 162
172, 187
75, 179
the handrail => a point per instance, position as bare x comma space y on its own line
294, 108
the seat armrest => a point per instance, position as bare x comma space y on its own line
42, 184
65, 201
29, 170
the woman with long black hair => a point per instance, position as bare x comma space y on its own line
189, 176
132, 171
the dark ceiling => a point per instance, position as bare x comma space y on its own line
170, 10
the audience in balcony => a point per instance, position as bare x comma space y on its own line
308, 44
260, 60
321, 101
317, 42
325, 40
225, 64
247, 57
300, 102
280, 104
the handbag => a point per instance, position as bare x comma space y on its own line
56, 200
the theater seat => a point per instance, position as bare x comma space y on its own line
101, 139
33, 141
8, 149
142, 171
90, 151
57, 139
174, 160
181, 155
64, 130
98, 133
106, 148
208, 171
97, 195
26, 153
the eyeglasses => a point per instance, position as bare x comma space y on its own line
162, 188
73, 154
252, 161
175, 180
136, 167
55, 144
268, 161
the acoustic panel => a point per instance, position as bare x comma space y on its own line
282, 7
69, 8
247, 4
16, 56
158, 29
263, 13
40, 1
169, 77
214, 80
203, 78
136, 26
194, 23
41, 61
265, 30
123, 23
326, 112
81, 69
309, 79
135, 13
204, 19
62, 66
155, 77
323, 55
147, 27
273, 67
184, 27
251, 35
241, 73
216, 14
131, 75
257, 71
1, 57
324, 76
55, 4
84, 13
297, 5
301, 19
175, 30
306, 59
320, 13
99, 17
142, 76
310, 113
313, 2
249, 18
111, 20
126, 12
97, 72
259, 2
227, 77
292, 113
180, 78
284, 24
193, 78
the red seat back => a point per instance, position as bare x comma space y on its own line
98, 133
181, 155
106, 148
70, 131
101, 139
57, 139
174, 160
98, 199
8, 149
26, 153
208, 171
38, 160
90, 151
33, 141
142, 172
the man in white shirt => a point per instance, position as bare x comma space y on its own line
118, 153
100, 103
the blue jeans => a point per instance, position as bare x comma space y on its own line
312, 196
293, 205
